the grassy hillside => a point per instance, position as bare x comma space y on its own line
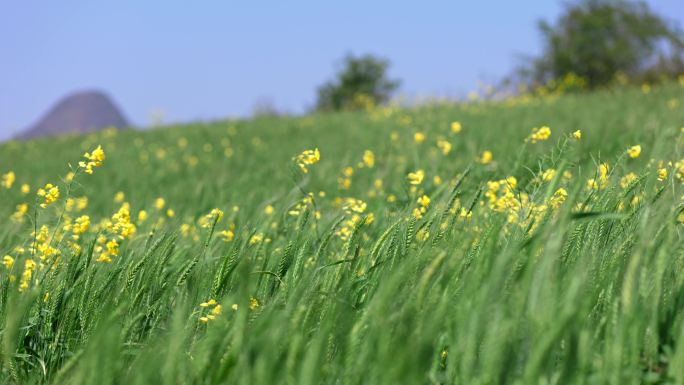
205, 254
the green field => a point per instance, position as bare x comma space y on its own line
560, 261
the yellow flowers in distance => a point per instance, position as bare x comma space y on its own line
268, 210
419, 137
8, 180
603, 171
18, 215
423, 203
634, 151
49, 193
558, 198
416, 178
486, 157
456, 127
213, 313
256, 238
94, 159
208, 220
307, 158
8, 261
369, 158
539, 135
81, 225
662, 174
577, 135
226, 235
119, 197
444, 146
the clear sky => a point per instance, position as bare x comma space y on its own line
212, 59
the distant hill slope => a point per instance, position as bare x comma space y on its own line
79, 112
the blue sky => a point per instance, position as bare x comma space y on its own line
213, 59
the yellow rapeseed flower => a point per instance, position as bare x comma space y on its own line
94, 159
627, 180
662, 174
424, 201
256, 238
208, 220
456, 127
444, 146
577, 135
634, 151
8, 261
419, 137
8, 179
548, 175
352, 205
29, 267
18, 215
539, 135
558, 198
119, 197
211, 302
486, 157
227, 235
49, 193
416, 178
81, 225
142, 216
307, 158
369, 158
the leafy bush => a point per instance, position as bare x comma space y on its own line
598, 40
361, 83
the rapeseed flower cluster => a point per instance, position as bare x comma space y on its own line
416, 178
20, 213
118, 228
49, 193
8, 180
601, 182
486, 157
634, 151
307, 158
369, 158
208, 220
539, 135
214, 308
94, 159
353, 208
444, 146
423, 204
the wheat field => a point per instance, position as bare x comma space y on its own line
532, 240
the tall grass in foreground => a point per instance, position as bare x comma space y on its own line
496, 277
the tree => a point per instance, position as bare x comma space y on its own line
361, 82
599, 39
